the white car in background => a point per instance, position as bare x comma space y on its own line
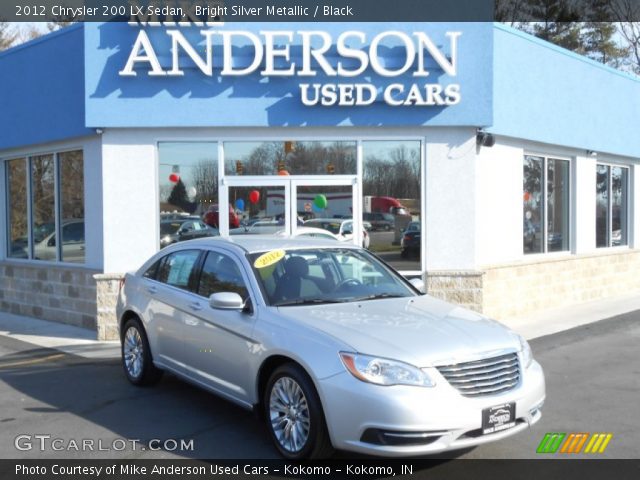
341, 228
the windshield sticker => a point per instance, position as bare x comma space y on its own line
269, 258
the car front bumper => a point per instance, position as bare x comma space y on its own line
402, 421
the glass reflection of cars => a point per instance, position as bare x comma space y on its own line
186, 228
410, 242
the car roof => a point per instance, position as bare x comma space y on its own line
260, 243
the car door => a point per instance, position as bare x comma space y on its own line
218, 343
169, 298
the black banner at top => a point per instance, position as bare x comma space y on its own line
192, 11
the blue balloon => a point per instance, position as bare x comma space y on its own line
316, 208
240, 204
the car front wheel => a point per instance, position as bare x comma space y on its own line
294, 415
136, 355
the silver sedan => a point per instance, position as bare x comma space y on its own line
330, 345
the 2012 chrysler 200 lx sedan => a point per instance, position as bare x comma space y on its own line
331, 346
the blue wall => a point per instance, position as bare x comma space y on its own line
548, 94
42, 90
196, 100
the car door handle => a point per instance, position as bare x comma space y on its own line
195, 306
152, 290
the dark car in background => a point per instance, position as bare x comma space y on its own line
186, 228
410, 243
380, 221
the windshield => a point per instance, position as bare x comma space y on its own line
324, 275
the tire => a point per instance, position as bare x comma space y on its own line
308, 437
404, 253
137, 361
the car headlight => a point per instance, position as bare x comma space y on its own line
383, 371
525, 349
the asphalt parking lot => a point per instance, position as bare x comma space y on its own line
592, 386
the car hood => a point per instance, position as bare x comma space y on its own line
422, 330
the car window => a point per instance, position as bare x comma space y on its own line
152, 271
220, 273
73, 233
325, 275
177, 268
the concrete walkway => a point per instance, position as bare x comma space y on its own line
80, 341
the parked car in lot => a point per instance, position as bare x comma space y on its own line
311, 232
410, 242
211, 217
331, 346
380, 221
343, 229
186, 228
44, 242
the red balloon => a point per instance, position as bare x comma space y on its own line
283, 173
254, 196
174, 178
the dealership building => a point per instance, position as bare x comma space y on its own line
516, 160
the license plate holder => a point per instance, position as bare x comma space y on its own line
498, 418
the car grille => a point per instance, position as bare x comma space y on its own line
488, 376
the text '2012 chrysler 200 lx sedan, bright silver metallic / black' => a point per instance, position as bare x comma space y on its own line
333, 347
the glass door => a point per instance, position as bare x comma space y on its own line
312, 207
327, 205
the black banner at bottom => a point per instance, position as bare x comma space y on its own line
562, 469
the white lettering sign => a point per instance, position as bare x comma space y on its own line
270, 54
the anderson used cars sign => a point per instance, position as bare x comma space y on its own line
353, 55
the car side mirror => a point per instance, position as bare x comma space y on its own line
226, 301
51, 242
418, 283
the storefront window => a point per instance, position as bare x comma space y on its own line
43, 216
72, 206
17, 208
557, 205
602, 206
612, 206
290, 158
257, 210
45, 187
391, 203
188, 186
552, 207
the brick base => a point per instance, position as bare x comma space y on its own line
64, 294
551, 281
107, 286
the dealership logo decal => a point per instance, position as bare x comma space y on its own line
574, 443
350, 54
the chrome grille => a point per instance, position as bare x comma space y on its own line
488, 376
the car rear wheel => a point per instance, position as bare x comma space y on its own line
294, 416
136, 355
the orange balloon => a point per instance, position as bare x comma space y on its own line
283, 173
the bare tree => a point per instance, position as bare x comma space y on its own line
7, 35
626, 11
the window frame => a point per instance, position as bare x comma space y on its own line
545, 210
610, 166
28, 157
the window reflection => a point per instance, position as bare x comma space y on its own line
290, 158
602, 206
17, 199
391, 203
557, 205
43, 226
612, 206
532, 204
72, 205
188, 186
